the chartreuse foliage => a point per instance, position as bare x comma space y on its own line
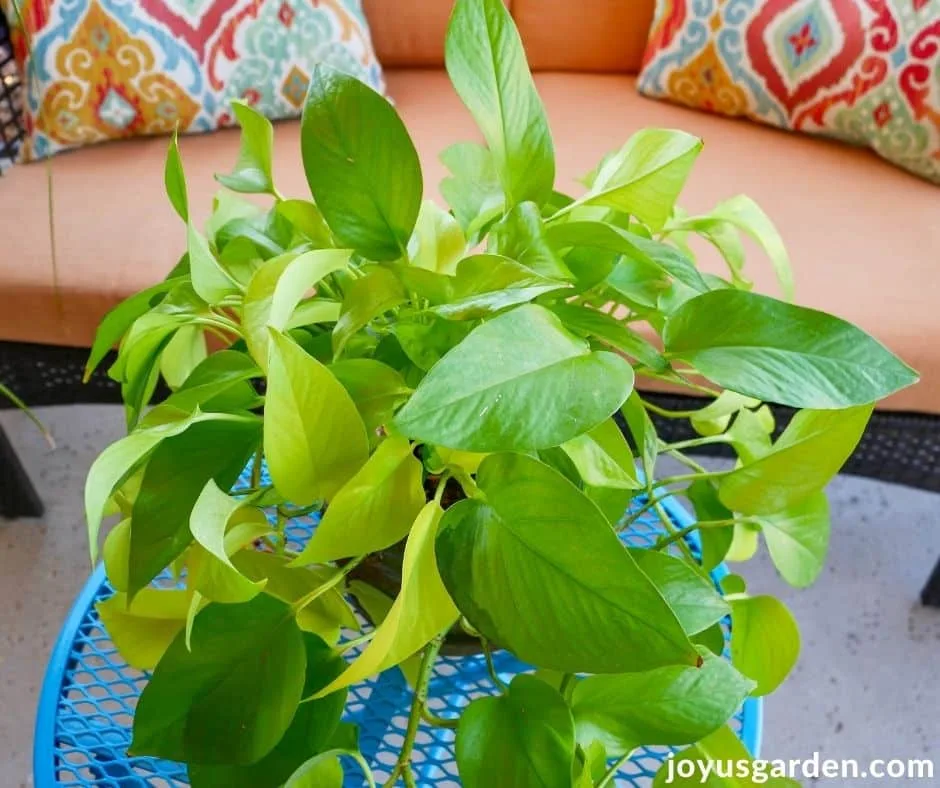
449, 379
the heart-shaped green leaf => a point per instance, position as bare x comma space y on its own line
798, 539
535, 530
765, 641
314, 438
778, 352
486, 62
645, 176
422, 610
667, 706
361, 165
143, 628
252, 173
310, 731
373, 510
231, 698
811, 450
524, 738
518, 382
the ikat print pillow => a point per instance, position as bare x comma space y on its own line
108, 69
864, 71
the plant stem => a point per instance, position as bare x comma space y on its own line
438, 722
673, 531
403, 765
690, 477
466, 481
488, 655
350, 644
565, 684
334, 581
612, 771
688, 461
693, 442
665, 541
650, 503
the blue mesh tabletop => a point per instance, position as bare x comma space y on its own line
83, 726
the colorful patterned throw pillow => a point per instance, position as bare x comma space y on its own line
106, 69
865, 71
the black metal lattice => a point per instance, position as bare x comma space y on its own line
11, 99
897, 447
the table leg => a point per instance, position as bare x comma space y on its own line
18, 497
930, 596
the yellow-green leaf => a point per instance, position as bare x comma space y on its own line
373, 510
422, 610
314, 438
143, 630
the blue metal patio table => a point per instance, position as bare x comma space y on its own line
89, 693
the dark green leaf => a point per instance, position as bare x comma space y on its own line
668, 706
486, 63
427, 342
176, 473
361, 165
778, 352
518, 382
115, 465
533, 531
808, 454
230, 698
252, 173
524, 738
310, 731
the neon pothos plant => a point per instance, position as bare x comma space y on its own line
449, 380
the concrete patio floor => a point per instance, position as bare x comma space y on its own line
866, 686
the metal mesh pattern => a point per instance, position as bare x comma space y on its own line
89, 694
11, 98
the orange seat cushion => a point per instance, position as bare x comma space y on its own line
863, 235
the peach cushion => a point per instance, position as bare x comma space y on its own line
862, 234
408, 33
590, 35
